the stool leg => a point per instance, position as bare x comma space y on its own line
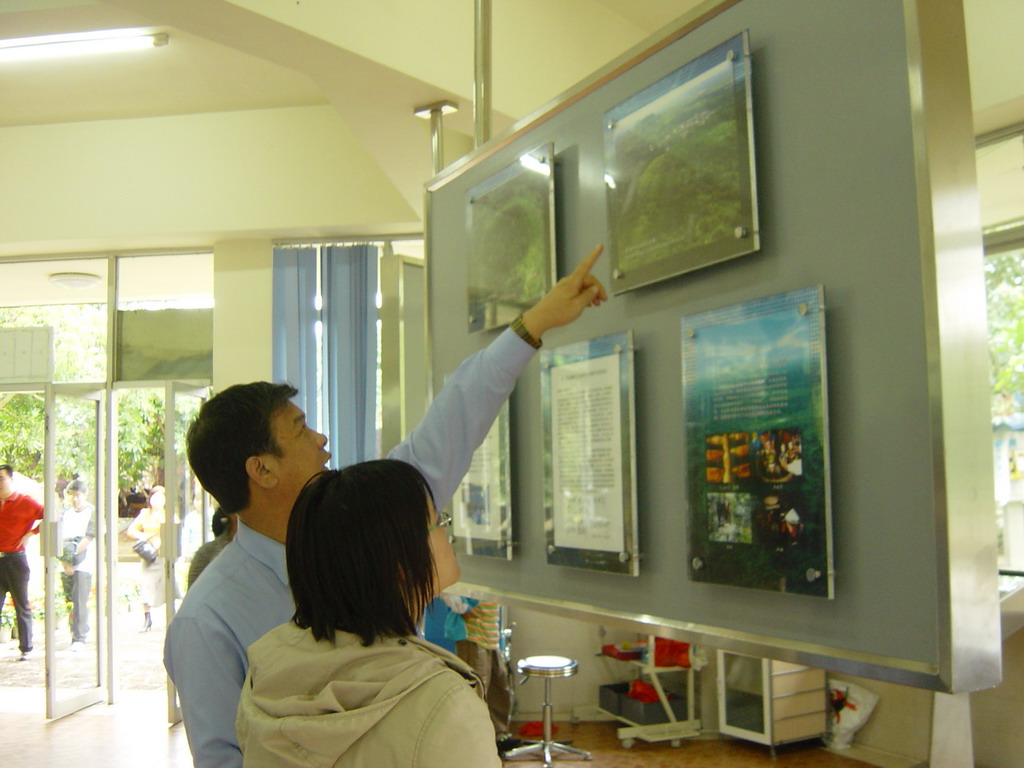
547, 710
567, 750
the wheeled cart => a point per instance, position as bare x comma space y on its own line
665, 720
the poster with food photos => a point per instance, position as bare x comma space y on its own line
755, 411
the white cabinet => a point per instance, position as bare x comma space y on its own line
770, 702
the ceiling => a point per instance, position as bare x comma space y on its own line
227, 55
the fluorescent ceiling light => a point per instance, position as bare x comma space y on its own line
78, 43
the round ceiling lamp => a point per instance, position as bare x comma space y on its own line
74, 280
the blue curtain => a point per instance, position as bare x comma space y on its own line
349, 278
294, 320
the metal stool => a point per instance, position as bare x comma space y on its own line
548, 667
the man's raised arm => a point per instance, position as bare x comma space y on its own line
442, 446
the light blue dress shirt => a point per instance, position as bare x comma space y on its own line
244, 592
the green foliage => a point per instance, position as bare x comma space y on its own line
21, 433
1004, 282
140, 436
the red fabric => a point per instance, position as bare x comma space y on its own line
535, 730
643, 691
18, 513
618, 652
671, 653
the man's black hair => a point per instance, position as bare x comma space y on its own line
358, 551
231, 427
8, 469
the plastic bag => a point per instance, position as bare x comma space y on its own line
851, 707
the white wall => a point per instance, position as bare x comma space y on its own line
242, 315
189, 180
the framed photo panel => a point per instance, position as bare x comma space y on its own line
511, 226
755, 405
679, 170
587, 392
482, 507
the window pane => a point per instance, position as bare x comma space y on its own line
68, 296
1004, 277
165, 318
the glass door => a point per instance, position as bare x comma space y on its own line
22, 415
742, 696
77, 598
188, 510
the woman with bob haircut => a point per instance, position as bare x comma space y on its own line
347, 682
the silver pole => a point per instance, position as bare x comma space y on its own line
482, 74
436, 112
437, 139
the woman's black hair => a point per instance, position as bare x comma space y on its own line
358, 551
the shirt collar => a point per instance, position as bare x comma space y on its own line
264, 549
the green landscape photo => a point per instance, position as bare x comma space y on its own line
511, 228
679, 180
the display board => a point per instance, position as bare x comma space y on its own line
862, 145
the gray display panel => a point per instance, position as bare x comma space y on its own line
855, 177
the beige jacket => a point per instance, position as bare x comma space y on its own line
402, 702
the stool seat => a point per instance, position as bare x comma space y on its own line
547, 666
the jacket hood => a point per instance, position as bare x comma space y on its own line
306, 692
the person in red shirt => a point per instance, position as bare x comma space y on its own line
19, 519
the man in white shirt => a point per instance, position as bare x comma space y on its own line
78, 529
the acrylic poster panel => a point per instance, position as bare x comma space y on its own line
757, 444
482, 508
587, 394
679, 170
511, 225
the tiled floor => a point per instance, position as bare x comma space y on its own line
600, 739
128, 734
133, 733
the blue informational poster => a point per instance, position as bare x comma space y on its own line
755, 407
